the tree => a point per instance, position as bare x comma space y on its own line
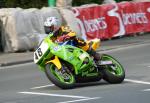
26, 3
81, 2
40, 3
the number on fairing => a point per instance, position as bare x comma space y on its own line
40, 51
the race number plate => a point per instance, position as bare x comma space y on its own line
38, 54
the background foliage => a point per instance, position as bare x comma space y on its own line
81, 2
25, 3
41, 3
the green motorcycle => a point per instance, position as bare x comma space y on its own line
65, 65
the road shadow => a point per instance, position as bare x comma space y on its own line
83, 85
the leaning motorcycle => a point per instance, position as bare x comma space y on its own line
65, 65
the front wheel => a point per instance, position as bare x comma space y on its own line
62, 78
112, 73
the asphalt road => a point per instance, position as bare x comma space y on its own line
27, 84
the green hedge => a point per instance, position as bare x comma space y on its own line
26, 3
81, 2
40, 3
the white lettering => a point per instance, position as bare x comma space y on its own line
148, 9
80, 23
91, 25
114, 13
95, 24
134, 18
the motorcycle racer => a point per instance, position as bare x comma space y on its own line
63, 33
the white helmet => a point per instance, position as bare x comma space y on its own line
52, 24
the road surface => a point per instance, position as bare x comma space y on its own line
25, 83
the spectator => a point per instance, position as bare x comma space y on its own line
64, 3
109, 1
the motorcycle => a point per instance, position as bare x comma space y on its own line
65, 65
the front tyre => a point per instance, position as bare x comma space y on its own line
112, 73
62, 78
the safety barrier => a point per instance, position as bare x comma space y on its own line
22, 29
107, 21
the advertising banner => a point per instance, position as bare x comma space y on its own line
111, 20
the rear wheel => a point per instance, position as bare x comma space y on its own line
112, 73
62, 78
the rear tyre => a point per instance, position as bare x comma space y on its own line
112, 73
62, 78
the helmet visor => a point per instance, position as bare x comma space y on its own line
49, 29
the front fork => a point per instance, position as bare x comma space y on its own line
60, 69
56, 62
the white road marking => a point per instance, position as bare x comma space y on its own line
136, 81
17, 65
123, 47
128, 80
55, 95
145, 64
80, 98
146, 90
39, 87
85, 99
